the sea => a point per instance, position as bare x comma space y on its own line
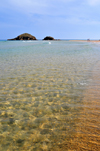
49, 96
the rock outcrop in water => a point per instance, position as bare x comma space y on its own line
48, 38
24, 36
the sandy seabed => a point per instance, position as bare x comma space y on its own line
50, 106
88, 133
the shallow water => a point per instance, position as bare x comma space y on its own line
49, 96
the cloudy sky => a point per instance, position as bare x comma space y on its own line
64, 19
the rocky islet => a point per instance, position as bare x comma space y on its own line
27, 36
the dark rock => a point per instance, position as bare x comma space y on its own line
45, 131
48, 38
19, 141
24, 36
11, 120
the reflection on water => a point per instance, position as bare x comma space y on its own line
49, 96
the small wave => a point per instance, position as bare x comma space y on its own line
27, 41
82, 83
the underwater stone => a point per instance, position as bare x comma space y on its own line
11, 120
45, 131
66, 107
19, 141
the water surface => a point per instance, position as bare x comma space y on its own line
49, 96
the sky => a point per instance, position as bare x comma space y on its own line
61, 19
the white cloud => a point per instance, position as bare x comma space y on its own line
70, 10
93, 2
24, 6
29, 5
34, 6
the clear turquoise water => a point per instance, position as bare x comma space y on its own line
42, 89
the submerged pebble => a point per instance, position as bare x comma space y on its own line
45, 131
19, 141
41, 104
11, 120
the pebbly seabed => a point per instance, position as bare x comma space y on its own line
49, 95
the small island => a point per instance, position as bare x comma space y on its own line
48, 38
24, 36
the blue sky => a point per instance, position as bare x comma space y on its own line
61, 19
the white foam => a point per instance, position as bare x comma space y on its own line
83, 83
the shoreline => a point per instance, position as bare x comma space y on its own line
94, 41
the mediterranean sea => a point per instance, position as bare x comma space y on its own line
49, 96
